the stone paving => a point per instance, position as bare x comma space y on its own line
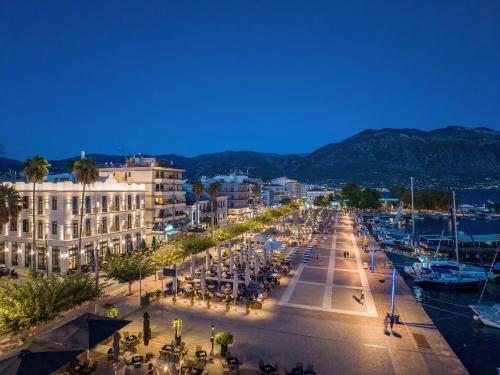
321, 322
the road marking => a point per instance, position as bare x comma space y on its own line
370, 304
327, 298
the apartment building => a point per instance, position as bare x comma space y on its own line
237, 189
201, 214
273, 194
113, 220
165, 201
293, 188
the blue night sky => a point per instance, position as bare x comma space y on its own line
190, 77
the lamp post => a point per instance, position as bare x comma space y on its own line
212, 339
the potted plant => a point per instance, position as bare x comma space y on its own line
223, 339
113, 313
176, 325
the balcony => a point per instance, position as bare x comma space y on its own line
114, 208
102, 230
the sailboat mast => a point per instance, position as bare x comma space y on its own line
455, 224
412, 213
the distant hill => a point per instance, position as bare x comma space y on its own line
451, 155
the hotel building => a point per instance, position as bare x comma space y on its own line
238, 190
113, 220
165, 201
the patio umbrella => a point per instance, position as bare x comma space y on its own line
207, 259
86, 331
241, 256
146, 328
219, 255
202, 282
257, 263
219, 272
249, 249
192, 267
247, 275
235, 287
231, 261
116, 346
39, 357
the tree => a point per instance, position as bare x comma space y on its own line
167, 256
198, 189
213, 192
86, 173
41, 298
35, 170
128, 268
285, 200
9, 204
192, 244
256, 192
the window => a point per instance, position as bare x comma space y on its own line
117, 203
54, 227
104, 225
40, 205
129, 202
117, 223
137, 201
129, 221
87, 227
157, 174
42, 257
15, 254
104, 203
54, 203
75, 229
87, 205
39, 230
55, 259
26, 202
74, 205
26, 225
2, 252
27, 255
13, 225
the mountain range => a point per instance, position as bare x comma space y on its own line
453, 155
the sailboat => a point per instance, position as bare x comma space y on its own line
489, 315
441, 277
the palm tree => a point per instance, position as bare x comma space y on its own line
86, 173
213, 191
198, 189
9, 204
35, 170
256, 195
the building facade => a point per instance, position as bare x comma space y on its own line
165, 201
273, 194
113, 220
201, 214
293, 188
237, 189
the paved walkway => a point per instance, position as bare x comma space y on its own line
330, 281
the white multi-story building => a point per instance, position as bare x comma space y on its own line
165, 201
293, 187
315, 192
201, 214
113, 220
273, 194
237, 189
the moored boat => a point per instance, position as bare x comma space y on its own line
489, 315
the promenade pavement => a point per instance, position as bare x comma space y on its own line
316, 316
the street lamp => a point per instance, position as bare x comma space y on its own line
212, 340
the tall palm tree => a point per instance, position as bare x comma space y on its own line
256, 195
213, 192
86, 173
9, 204
35, 170
198, 189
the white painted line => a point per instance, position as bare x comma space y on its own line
346, 270
290, 288
327, 298
339, 311
317, 267
370, 304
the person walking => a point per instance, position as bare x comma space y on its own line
347, 255
362, 297
391, 322
386, 324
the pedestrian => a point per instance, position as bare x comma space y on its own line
386, 323
362, 297
347, 255
344, 254
391, 322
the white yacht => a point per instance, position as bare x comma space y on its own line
489, 315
